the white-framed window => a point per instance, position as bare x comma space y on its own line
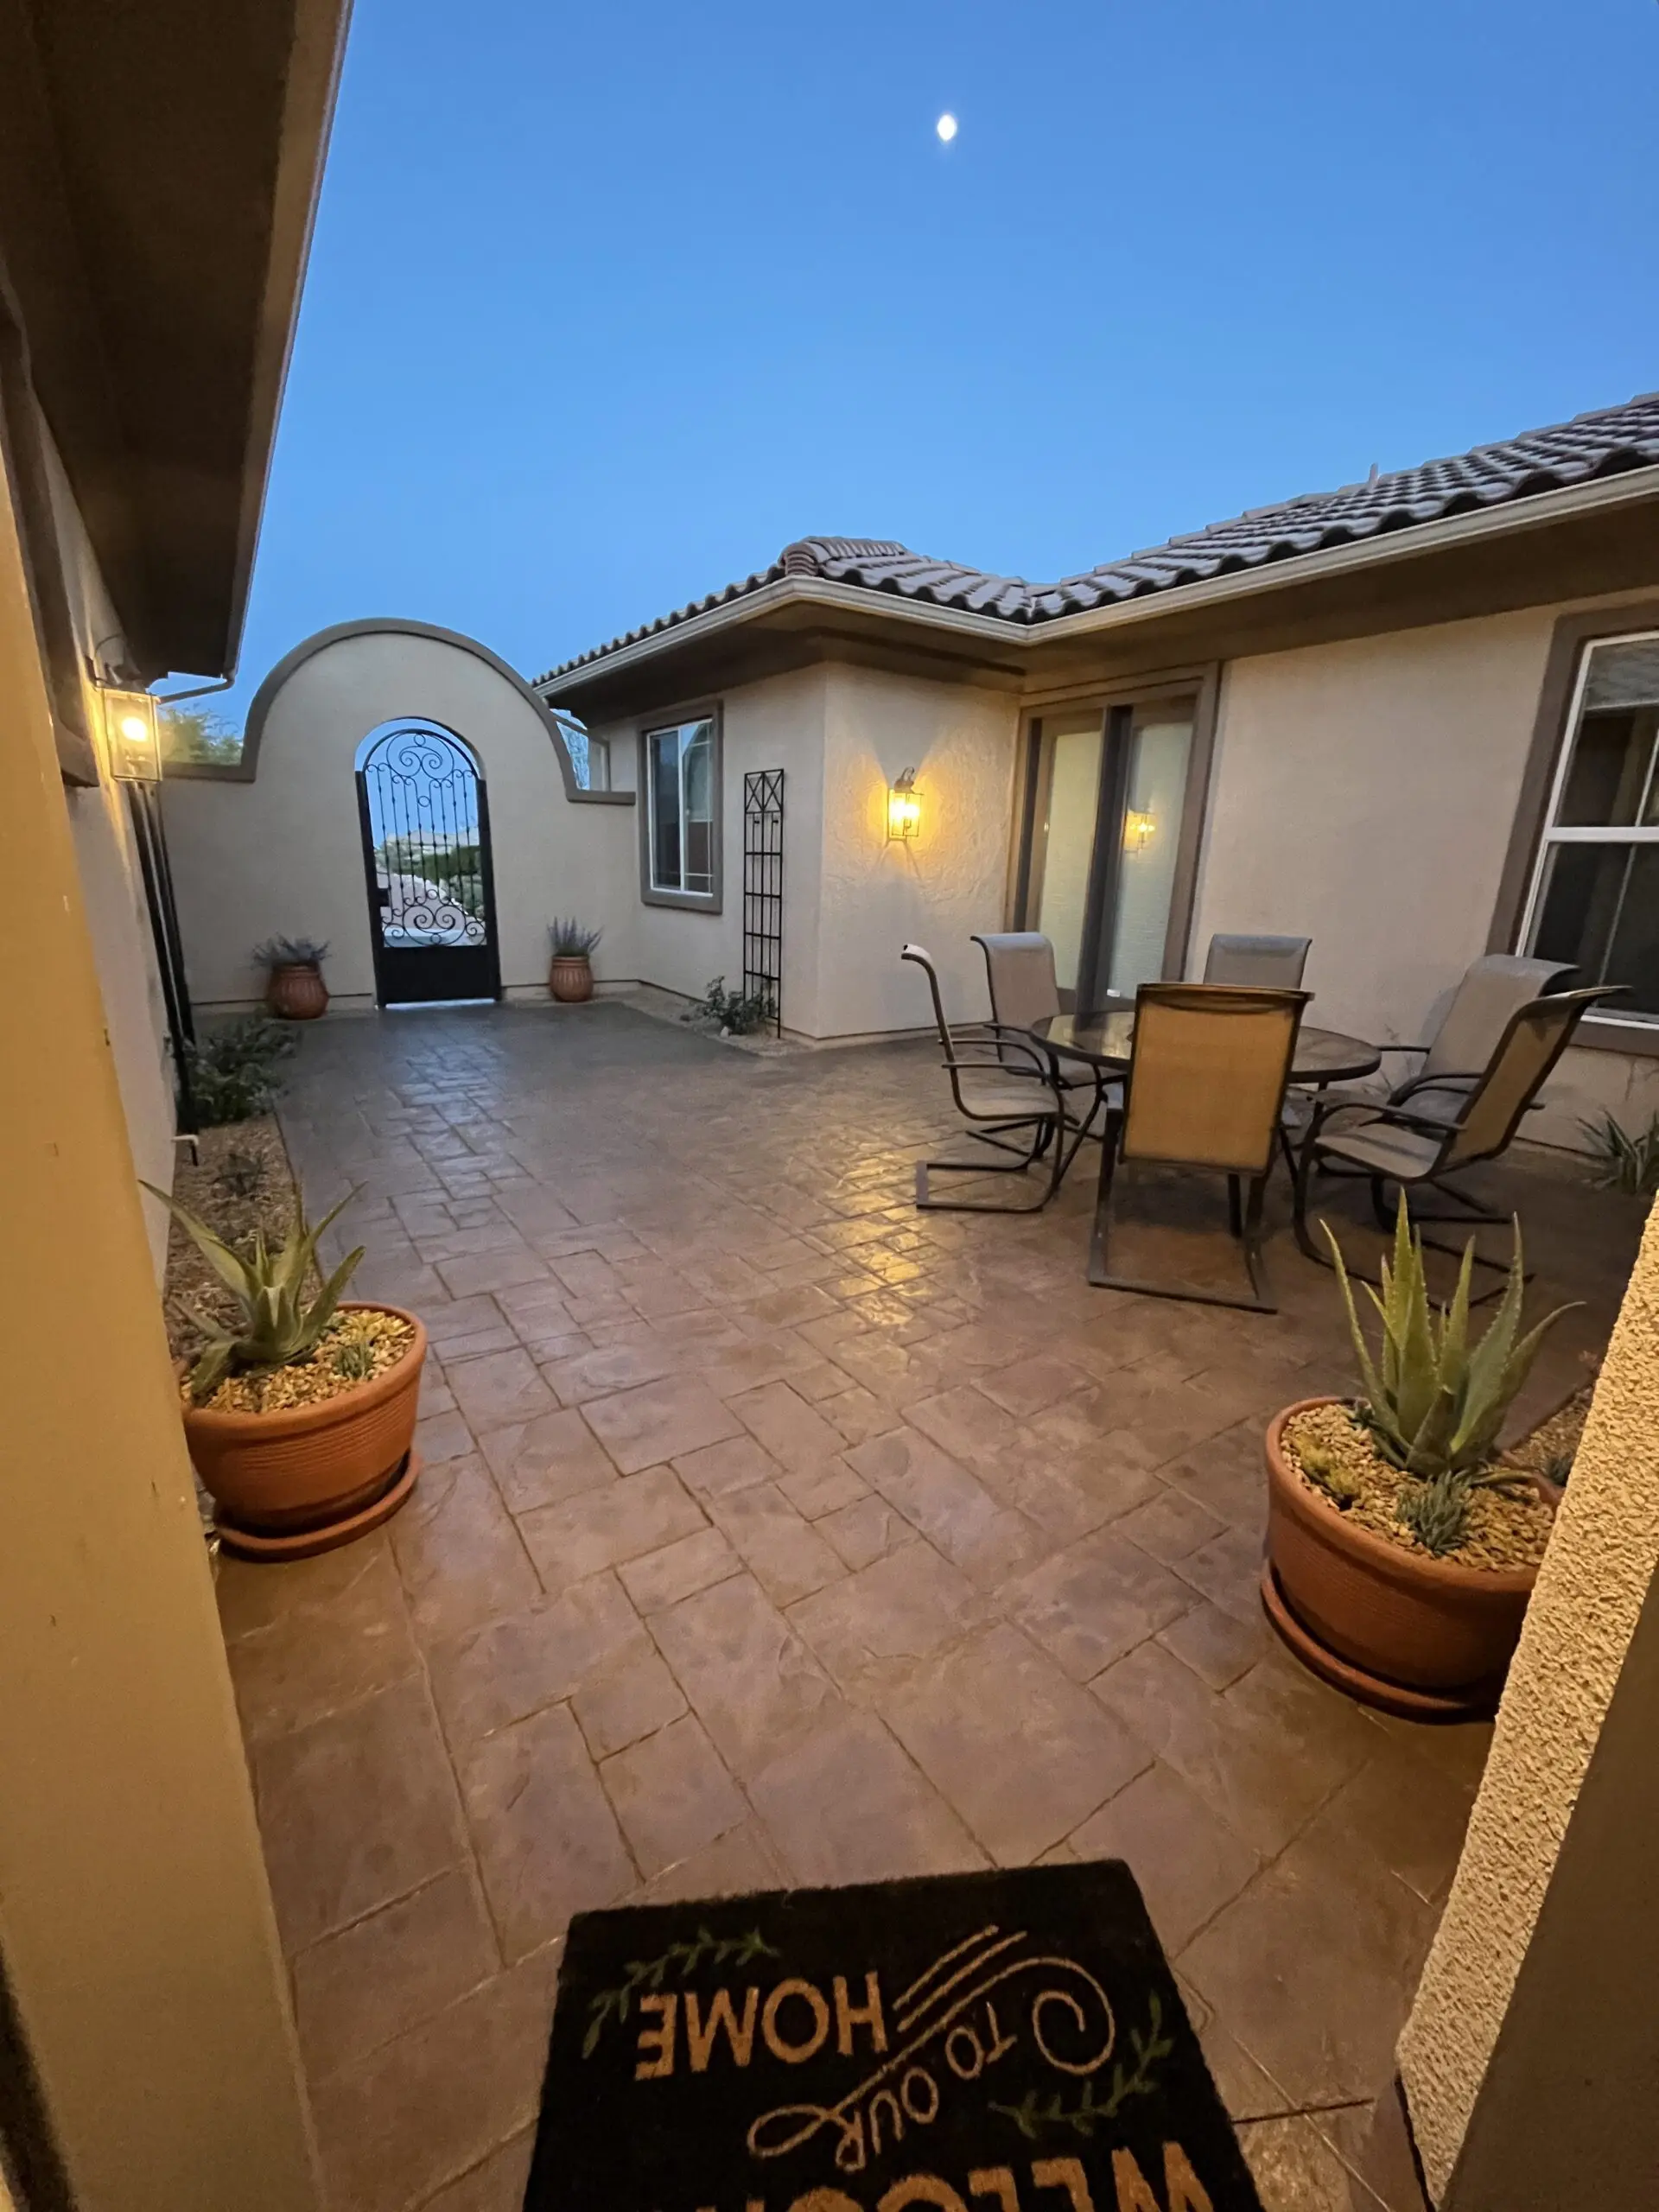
681, 777
1594, 898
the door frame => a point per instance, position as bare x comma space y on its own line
491, 947
1114, 703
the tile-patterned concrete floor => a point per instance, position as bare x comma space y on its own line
772, 1532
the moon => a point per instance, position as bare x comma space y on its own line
946, 127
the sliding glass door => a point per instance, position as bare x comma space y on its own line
1107, 847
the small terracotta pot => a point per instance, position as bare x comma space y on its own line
1403, 1630
296, 1474
296, 991
570, 977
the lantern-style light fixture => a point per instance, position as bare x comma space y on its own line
1139, 828
133, 734
904, 808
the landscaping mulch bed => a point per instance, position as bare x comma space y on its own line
240, 1182
1508, 1527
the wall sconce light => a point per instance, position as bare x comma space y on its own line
904, 808
133, 736
1139, 829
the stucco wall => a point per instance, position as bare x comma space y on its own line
1595, 1574
1364, 794
938, 887
113, 891
284, 855
851, 899
777, 723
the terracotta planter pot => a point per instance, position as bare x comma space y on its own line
571, 978
297, 992
1413, 1633
310, 1476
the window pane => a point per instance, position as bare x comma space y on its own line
1073, 794
1607, 778
698, 741
1600, 910
1625, 675
1151, 825
665, 873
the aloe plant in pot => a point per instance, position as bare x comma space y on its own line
299, 1413
1401, 1550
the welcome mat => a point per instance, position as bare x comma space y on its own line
975, 2043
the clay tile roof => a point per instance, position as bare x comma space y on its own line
1607, 442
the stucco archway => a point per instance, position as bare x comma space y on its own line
273, 846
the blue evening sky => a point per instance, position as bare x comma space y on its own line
607, 303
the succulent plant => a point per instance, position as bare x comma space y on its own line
1435, 1406
290, 952
571, 939
1624, 1162
355, 1360
1321, 1465
279, 1323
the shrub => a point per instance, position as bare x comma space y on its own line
732, 1013
1624, 1162
233, 1070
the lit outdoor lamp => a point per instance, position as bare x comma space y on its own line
133, 734
1139, 828
904, 808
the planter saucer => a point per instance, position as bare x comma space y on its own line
1476, 1703
305, 1543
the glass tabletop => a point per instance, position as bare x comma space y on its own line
1106, 1038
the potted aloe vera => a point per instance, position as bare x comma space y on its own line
1401, 1551
300, 1416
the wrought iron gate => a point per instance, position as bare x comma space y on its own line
763, 889
426, 853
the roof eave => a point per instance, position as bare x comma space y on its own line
1536, 510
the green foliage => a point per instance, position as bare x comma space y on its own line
1436, 1404
290, 952
233, 1070
355, 1360
1624, 1162
1322, 1466
279, 1324
571, 939
1557, 1468
199, 736
732, 1013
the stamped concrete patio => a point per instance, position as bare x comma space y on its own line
773, 1533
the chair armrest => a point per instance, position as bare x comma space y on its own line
1442, 1079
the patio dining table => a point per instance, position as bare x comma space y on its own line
1105, 1039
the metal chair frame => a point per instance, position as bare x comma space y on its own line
1246, 1189
985, 1047
1396, 1113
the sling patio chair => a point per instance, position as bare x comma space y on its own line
1206, 1090
1264, 963
1425, 1133
1006, 1089
1020, 976
1467, 1034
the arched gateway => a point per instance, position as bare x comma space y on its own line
425, 817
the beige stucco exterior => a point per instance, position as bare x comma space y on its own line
112, 888
1364, 794
1601, 1560
284, 853
136, 1935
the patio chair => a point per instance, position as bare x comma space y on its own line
1020, 976
1417, 1144
1267, 963
1492, 989
1206, 1090
1004, 1088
